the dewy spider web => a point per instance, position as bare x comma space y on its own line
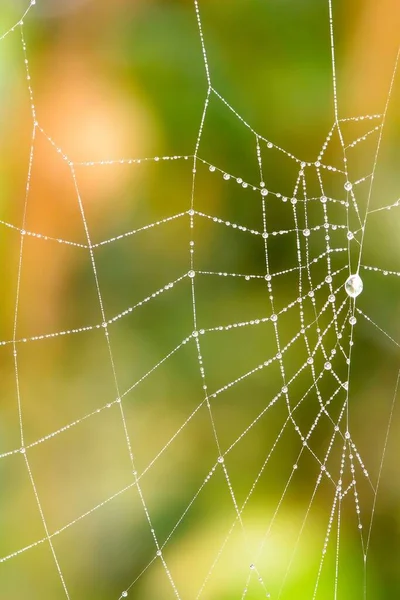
326, 314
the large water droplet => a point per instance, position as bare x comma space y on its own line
354, 285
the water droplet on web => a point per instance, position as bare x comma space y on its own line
352, 320
331, 298
348, 186
191, 274
350, 235
328, 279
211, 168
323, 199
226, 176
328, 366
274, 318
264, 192
354, 286
306, 232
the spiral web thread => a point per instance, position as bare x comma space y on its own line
342, 314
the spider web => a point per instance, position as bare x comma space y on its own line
323, 219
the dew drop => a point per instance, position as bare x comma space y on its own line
354, 286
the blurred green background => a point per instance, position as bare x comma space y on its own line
125, 79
